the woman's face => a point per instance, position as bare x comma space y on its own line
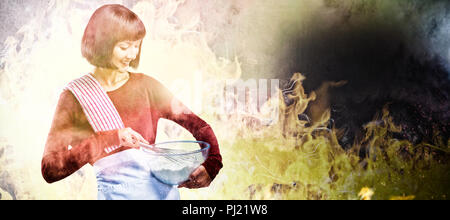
124, 52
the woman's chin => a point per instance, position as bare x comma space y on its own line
122, 68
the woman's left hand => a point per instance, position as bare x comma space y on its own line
198, 179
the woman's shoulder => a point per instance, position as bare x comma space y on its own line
146, 79
67, 102
66, 96
157, 89
142, 76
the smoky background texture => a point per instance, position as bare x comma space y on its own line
388, 51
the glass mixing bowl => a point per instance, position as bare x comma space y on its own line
172, 162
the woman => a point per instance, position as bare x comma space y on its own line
134, 102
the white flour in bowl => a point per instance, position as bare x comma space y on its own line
171, 172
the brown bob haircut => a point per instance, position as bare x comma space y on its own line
109, 25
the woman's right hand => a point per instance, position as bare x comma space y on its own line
130, 138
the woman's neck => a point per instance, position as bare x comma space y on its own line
110, 77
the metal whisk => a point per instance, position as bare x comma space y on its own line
178, 156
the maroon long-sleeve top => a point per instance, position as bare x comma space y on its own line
140, 102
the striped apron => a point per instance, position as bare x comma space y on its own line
122, 175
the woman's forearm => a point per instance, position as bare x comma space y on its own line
62, 158
58, 165
214, 161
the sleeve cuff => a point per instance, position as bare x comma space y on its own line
108, 138
104, 139
212, 167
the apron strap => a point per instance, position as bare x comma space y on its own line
96, 104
